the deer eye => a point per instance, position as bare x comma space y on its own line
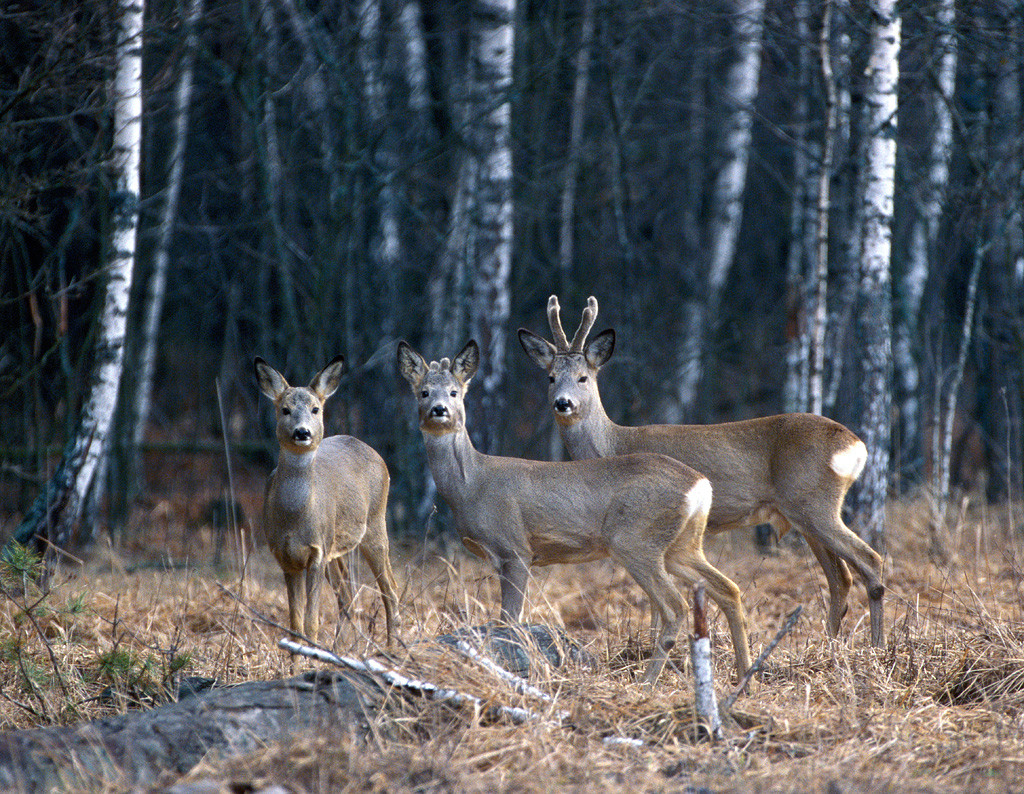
451, 393
316, 409
286, 411
582, 379
424, 394
551, 378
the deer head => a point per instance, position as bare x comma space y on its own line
440, 386
572, 367
299, 409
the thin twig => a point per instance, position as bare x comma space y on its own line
758, 664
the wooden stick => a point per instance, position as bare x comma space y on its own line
703, 678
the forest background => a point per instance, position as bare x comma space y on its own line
323, 178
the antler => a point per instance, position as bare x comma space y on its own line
557, 334
589, 315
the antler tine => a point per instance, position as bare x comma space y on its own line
557, 334
589, 315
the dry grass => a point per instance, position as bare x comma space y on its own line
940, 708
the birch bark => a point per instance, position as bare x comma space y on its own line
54, 518
795, 387
491, 49
156, 286
876, 250
923, 237
572, 163
726, 200
386, 249
818, 279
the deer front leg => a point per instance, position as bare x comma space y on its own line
293, 582
513, 573
315, 574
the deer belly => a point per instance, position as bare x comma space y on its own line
550, 549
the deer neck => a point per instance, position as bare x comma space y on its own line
294, 479
453, 461
593, 435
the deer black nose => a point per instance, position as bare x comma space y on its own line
301, 434
439, 410
563, 405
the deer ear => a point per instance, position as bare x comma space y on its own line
539, 349
411, 364
270, 381
466, 362
326, 381
600, 349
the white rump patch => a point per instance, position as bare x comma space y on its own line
850, 462
699, 497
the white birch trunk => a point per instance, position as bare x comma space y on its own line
848, 212
727, 194
59, 509
156, 286
572, 163
274, 184
490, 53
876, 250
924, 234
818, 286
795, 386
410, 22
948, 410
1001, 413
386, 252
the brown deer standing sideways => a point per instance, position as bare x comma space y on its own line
326, 497
645, 511
790, 470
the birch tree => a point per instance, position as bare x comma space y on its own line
817, 287
153, 300
54, 518
490, 154
1003, 327
924, 233
727, 193
847, 202
567, 208
799, 256
386, 248
876, 248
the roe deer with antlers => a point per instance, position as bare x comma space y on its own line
326, 497
645, 511
790, 470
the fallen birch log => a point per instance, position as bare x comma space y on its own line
141, 749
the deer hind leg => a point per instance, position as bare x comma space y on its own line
690, 565
653, 579
839, 582
646, 564
341, 583
828, 528
375, 551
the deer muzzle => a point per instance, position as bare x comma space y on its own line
564, 405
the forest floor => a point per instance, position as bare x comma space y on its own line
940, 708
